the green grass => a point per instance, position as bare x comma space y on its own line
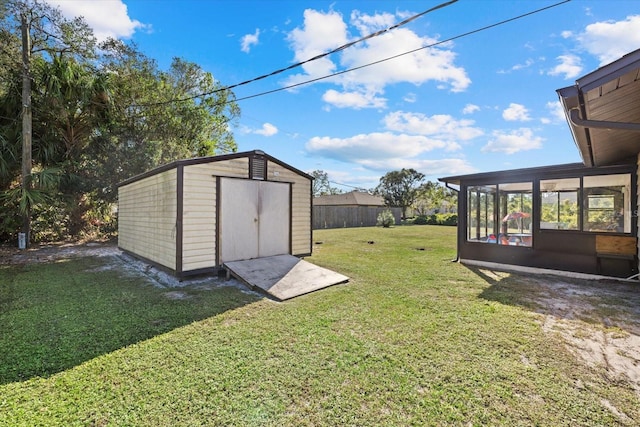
412, 339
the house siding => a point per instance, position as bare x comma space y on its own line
637, 212
147, 213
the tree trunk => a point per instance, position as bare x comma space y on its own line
26, 125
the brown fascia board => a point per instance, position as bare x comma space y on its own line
209, 159
553, 171
609, 72
513, 175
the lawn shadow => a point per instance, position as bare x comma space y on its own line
57, 315
605, 302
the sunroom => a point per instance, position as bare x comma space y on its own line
579, 217
563, 217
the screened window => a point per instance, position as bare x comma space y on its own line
601, 204
500, 214
481, 211
607, 203
559, 204
515, 210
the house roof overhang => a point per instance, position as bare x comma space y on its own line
603, 111
541, 172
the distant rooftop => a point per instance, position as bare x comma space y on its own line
353, 198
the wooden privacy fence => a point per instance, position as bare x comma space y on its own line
350, 216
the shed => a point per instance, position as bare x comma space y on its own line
352, 209
191, 216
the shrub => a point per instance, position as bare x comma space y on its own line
449, 219
420, 220
436, 219
386, 218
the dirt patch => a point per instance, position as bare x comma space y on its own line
55, 251
599, 320
116, 260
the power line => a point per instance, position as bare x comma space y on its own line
347, 185
299, 64
401, 54
468, 33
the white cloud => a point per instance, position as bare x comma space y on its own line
387, 151
610, 40
528, 63
440, 126
377, 146
369, 24
512, 142
422, 66
557, 112
409, 136
516, 113
249, 40
410, 98
267, 130
107, 18
570, 66
322, 32
470, 109
429, 167
356, 100
566, 34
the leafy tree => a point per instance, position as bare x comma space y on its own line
400, 188
322, 185
148, 127
98, 117
433, 197
42, 31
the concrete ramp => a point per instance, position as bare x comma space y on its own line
283, 276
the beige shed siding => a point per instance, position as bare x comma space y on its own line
301, 206
199, 210
147, 218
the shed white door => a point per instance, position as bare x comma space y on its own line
254, 219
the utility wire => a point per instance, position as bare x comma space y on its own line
315, 58
344, 46
468, 33
401, 54
347, 185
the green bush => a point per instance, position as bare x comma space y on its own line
436, 219
386, 218
420, 220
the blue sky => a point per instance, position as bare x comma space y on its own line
481, 102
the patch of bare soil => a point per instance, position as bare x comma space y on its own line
599, 320
117, 260
55, 251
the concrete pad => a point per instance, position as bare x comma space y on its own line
283, 276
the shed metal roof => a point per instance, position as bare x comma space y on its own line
211, 159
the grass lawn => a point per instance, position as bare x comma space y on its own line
412, 339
